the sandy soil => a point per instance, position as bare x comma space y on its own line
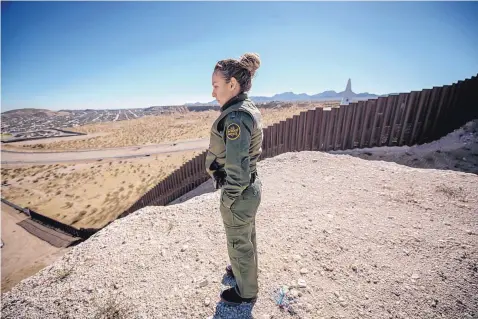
88, 194
23, 254
151, 130
352, 238
456, 152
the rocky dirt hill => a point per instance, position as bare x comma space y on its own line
349, 237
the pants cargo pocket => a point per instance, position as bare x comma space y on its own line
239, 224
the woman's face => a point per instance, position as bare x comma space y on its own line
221, 90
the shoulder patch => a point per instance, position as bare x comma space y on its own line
233, 131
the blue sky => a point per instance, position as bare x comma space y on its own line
70, 55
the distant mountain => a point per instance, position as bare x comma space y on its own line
293, 97
32, 112
26, 111
329, 95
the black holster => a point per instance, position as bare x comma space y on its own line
219, 179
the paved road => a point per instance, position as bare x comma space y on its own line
14, 157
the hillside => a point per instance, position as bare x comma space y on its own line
371, 239
32, 112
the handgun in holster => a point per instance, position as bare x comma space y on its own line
219, 175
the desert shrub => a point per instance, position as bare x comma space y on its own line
451, 192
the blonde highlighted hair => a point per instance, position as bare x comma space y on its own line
243, 70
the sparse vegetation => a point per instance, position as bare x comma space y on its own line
160, 129
63, 273
452, 192
59, 190
113, 308
68, 205
101, 194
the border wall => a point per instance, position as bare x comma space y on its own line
400, 119
82, 233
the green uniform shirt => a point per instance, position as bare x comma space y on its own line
235, 145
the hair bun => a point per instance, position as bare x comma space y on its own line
250, 61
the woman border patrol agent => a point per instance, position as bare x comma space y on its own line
234, 148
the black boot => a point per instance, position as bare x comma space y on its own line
231, 297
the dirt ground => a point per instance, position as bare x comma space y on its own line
457, 151
342, 236
23, 254
87, 194
90, 193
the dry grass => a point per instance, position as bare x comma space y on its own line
87, 194
155, 129
113, 308
92, 194
63, 273
452, 192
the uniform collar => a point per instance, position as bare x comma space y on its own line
236, 99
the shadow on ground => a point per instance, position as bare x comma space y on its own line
224, 310
457, 151
204, 188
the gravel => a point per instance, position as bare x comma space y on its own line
347, 237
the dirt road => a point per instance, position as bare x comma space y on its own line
13, 157
22, 254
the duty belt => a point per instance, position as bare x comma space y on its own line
220, 181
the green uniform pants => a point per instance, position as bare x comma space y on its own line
240, 225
